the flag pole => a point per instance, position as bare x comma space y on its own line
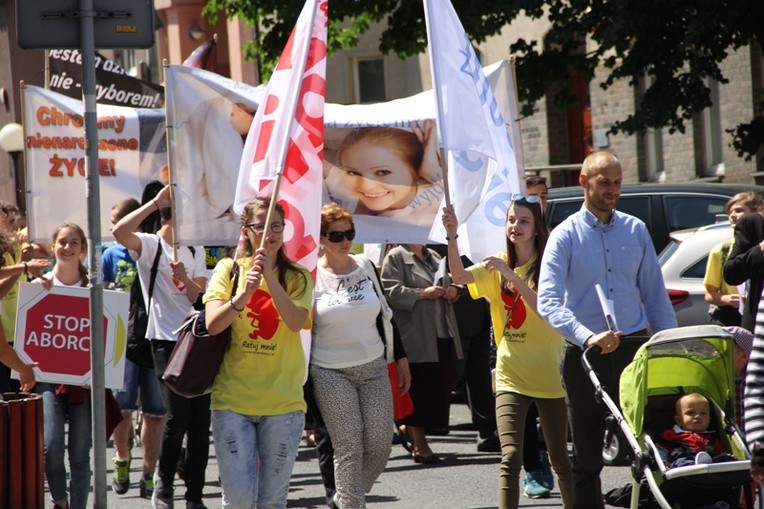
168, 129
285, 146
439, 108
519, 156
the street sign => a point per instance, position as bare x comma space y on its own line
55, 24
53, 330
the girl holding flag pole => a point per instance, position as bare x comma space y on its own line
527, 365
258, 409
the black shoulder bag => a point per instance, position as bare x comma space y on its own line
138, 347
197, 356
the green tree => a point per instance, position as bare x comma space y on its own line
675, 46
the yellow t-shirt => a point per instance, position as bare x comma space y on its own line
715, 268
10, 300
264, 367
529, 350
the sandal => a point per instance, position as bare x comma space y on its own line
404, 438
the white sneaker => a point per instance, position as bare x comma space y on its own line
703, 458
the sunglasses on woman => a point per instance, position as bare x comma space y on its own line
338, 236
531, 198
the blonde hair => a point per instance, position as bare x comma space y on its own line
749, 199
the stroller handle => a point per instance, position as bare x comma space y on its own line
626, 342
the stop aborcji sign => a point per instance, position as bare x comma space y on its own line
53, 330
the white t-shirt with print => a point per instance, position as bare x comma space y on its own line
169, 303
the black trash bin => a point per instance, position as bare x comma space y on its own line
21, 451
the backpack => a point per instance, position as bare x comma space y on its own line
138, 347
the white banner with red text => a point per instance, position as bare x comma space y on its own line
131, 149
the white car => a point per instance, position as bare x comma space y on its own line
683, 264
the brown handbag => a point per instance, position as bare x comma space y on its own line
197, 356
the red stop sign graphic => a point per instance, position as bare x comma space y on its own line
57, 334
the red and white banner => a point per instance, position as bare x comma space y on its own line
287, 136
53, 330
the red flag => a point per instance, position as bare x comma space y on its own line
205, 56
287, 136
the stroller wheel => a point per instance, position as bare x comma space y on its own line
615, 452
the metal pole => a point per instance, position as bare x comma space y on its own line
94, 255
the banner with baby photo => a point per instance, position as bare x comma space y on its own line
382, 162
131, 150
208, 118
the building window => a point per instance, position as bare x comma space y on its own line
370, 81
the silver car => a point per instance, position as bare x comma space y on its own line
683, 264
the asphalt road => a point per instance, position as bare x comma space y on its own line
466, 479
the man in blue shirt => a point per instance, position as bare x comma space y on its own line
599, 246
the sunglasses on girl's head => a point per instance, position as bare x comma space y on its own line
338, 236
531, 198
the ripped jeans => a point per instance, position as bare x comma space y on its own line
255, 456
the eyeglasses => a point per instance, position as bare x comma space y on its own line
338, 236
531, 198
258, 229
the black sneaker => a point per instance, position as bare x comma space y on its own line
121, 481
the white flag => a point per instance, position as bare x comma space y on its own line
483, 171
207, 117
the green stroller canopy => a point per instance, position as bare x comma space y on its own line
679, 361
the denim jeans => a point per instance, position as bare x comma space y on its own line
55, 411
184, 415
143, 378
255, 456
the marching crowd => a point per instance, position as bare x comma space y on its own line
382, 337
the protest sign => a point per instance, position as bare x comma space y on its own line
132, 152
53, 330
113, 84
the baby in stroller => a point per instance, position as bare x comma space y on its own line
690, 442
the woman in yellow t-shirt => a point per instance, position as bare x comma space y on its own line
258, 410
528, 356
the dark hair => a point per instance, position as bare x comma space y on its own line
535, 180
8, 207
153, 222
542, 234
83, 240
283, 263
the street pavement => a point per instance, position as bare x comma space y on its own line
466, 479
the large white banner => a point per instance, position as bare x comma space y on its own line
131, 150
380, 214
208, 119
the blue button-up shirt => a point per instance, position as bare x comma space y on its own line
620, 257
